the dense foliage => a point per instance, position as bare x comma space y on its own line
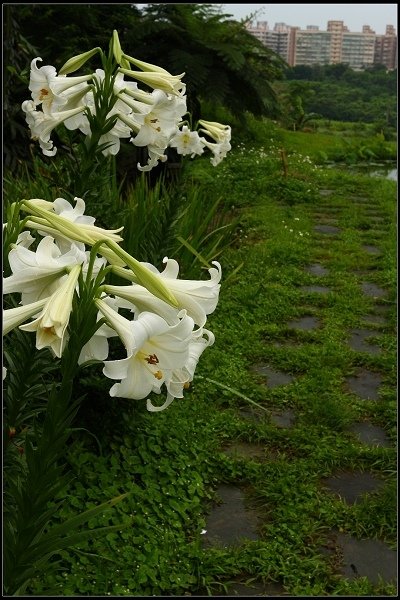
340, 93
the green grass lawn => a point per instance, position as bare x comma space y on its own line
173, 461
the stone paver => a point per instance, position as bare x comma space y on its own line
359, 341
365, 384
327, 229
367, 558
304, 323
352, 486
230, 523
371, 249
255, 588
274, 378
245, 450
284, 419
372, 290
377, 320
318, 289
370, 434
317, 269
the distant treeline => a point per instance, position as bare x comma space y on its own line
340, 93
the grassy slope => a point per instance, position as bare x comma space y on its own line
172, 461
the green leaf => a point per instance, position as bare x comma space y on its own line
194, 251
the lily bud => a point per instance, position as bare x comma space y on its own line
160, 80
76, 62
80, 232
117, 51
13, 317
145, 66
51, 325
145, 277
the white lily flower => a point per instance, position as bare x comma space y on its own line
113, 137
219, 132
187, 142
80, 121
37, 274
139, 298
201, 339
75, 214
47, 88
42, 124
154, 124
77, 96
222, 136
64, 209
97, 347
51, 324
25, 239
155, 154
198, 298
13, 317
158, 121
219, 150
179, 379
154, 350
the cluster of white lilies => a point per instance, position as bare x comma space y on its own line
164, 334
62, 269
147, 119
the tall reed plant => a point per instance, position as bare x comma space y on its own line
176, 221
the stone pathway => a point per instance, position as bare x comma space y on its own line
232, 522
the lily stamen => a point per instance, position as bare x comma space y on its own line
152, 359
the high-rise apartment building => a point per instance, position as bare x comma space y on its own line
337, 44
276, 39
310, 46
386, 48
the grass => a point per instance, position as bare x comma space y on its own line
172, 462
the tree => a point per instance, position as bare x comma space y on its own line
223, 62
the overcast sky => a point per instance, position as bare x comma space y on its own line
301, 15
